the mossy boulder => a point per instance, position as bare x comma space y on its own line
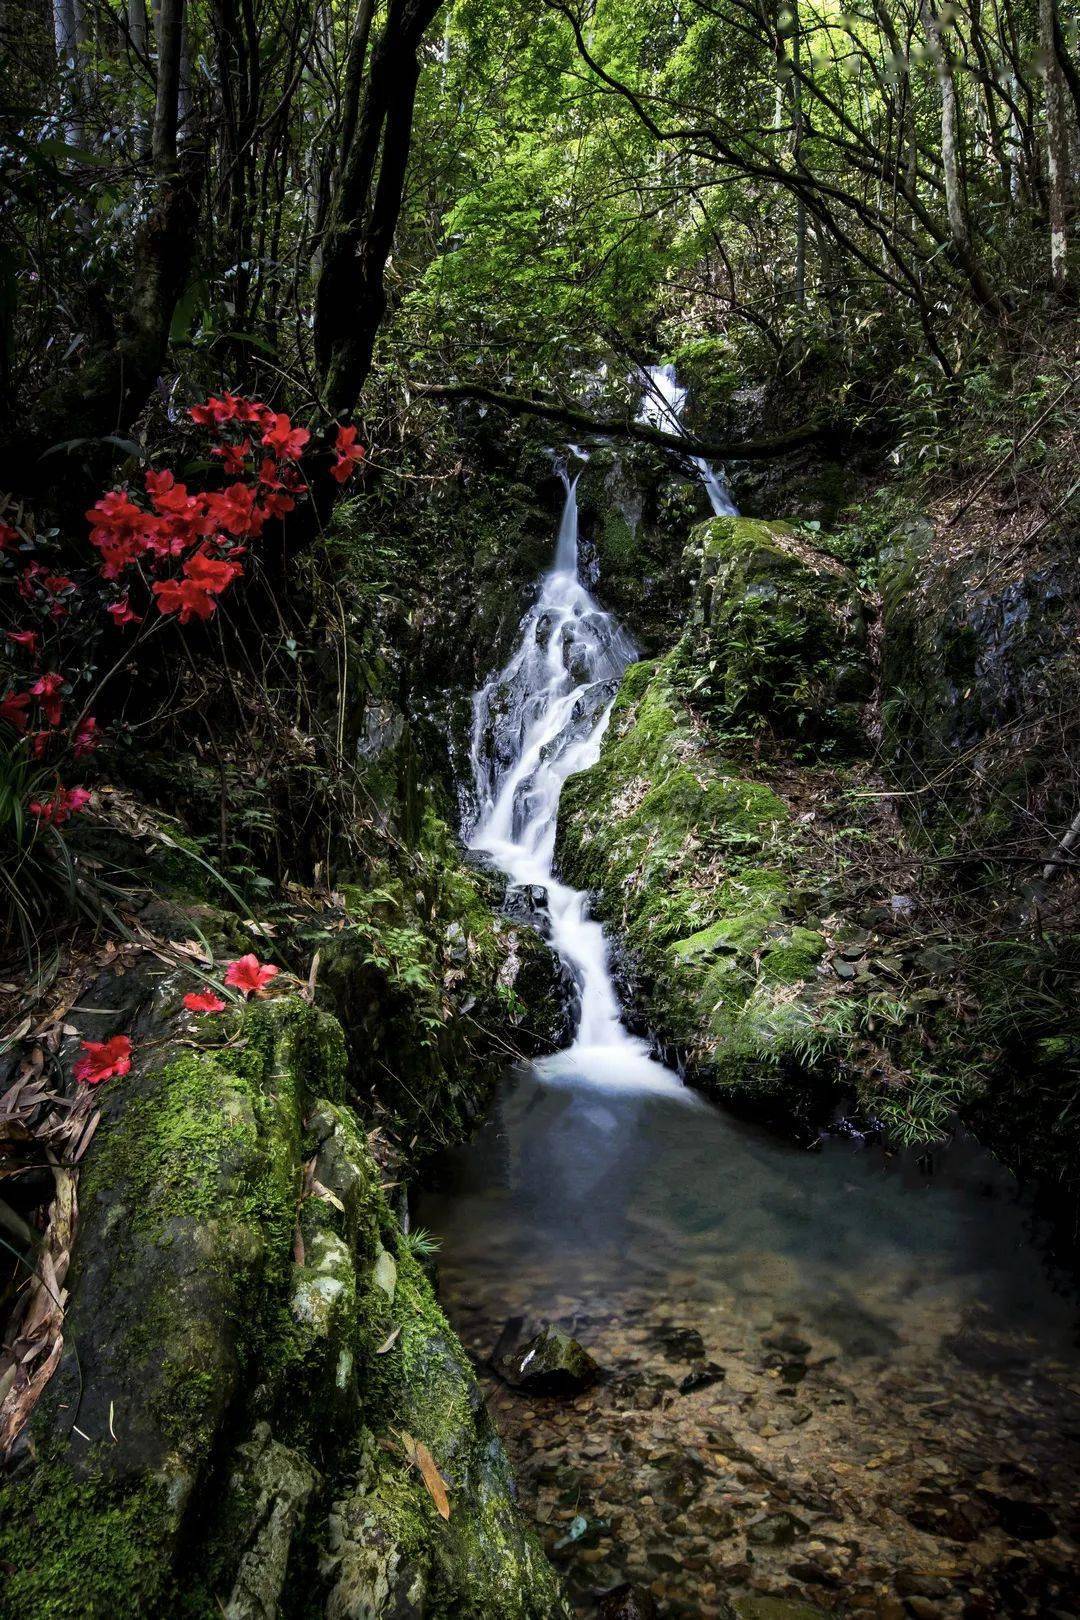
247, 1341
694, 866
433, 984
776, 639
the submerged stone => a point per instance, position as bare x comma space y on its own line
627, 1602
545, 1362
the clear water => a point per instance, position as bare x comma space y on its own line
588, 1188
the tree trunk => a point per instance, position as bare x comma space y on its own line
350, 295
107, 391
1057, 146
955, 200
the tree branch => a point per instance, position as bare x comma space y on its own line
625, 427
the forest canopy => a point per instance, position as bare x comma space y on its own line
543, 194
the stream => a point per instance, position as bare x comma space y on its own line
840, 1378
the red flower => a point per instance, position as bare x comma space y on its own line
234, 510
13, 709
24, 638
47, 690
121, 613
86, 737
253, 410
349, 453
64, 803
203, 1001
216, 412
249, 975
8, 535
118, 530
283, 439
183, 596
103, 1060
233, 457
27, 584
211, 573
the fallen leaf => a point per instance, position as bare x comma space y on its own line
389, 1342
432, 1479
327, 1196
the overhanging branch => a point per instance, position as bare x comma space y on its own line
625, 427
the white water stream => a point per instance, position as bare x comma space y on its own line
535, 723
662, 405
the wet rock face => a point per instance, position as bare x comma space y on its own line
543, 1361
966, 656
637, 505
776, 641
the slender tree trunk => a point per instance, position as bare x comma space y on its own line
138, 37
107, 391
955, 198
1057, 146
800, 205
350, 295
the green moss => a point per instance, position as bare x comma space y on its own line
776, 642
695, 866
70, 1547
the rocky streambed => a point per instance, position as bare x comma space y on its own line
829, 1382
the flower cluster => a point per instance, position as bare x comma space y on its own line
179, 548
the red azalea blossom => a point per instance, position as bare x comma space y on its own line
103, 1060
211, 573
283, 439
203, 1001
24, 638
13, 709
47, 690
216, 412
183, 596
249, 975
39, 743
64, 803
120, 612
233, 457
348, 454
8, 535
87, 737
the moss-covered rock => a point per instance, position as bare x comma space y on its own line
692, 863
433, 985
635, 506
248, 1339
776, 640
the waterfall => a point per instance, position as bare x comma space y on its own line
662, 406
537, 721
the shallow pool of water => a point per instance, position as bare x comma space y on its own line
898, 1365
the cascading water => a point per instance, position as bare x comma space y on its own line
535, 723
662, 405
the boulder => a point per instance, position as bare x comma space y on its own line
776, 641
